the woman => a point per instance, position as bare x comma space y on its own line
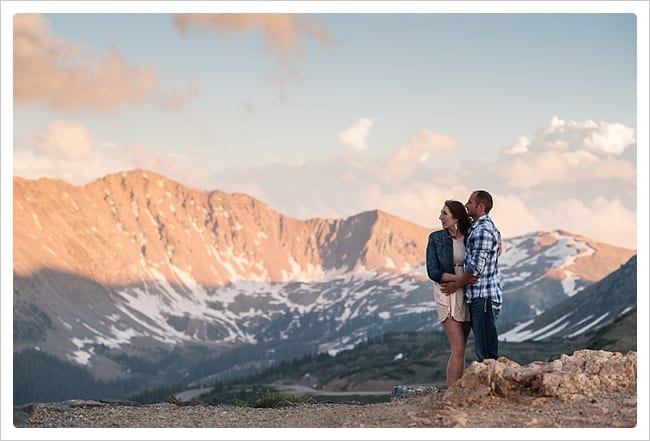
445, 253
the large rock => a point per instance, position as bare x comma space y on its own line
406, 391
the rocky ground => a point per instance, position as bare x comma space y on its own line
615, 410
590, 389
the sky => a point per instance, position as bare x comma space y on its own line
331, 109
329, 114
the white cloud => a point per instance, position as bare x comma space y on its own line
67, 140
356, 136
420, 149
569, 152
610, 138
519, 146
602, 138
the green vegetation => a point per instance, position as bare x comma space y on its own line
271, 399
239, 403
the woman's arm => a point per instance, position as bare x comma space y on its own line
434, 269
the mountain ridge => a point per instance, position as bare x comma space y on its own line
135, 200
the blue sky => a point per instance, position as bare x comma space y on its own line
342, 109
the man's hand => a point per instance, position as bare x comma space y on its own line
448, 288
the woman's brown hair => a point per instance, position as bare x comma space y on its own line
458, 211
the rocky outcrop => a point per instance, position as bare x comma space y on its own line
582, 375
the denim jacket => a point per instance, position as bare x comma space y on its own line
440, 255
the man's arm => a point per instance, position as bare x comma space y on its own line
451, 287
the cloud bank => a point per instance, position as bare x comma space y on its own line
569, 175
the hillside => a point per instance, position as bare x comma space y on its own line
585, 311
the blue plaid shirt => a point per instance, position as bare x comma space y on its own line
482, 260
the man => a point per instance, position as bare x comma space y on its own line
481, 278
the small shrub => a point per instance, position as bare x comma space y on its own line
239, 403
277, 399
173, 399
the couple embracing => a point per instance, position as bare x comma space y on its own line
463, 262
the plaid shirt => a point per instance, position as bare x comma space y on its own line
482, 259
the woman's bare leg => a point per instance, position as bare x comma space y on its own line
457, 334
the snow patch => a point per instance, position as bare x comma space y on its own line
589, 326
35, 217
48, 249
135, 209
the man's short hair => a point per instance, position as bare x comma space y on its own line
485, 198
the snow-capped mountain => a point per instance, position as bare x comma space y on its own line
541, 269
135, 262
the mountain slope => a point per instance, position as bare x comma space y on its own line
592, 308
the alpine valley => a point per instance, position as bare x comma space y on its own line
137, 277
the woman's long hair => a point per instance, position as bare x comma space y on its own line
459, 213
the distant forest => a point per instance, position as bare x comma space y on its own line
37, 377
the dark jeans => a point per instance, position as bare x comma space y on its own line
483, 315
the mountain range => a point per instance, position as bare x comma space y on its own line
134, 265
